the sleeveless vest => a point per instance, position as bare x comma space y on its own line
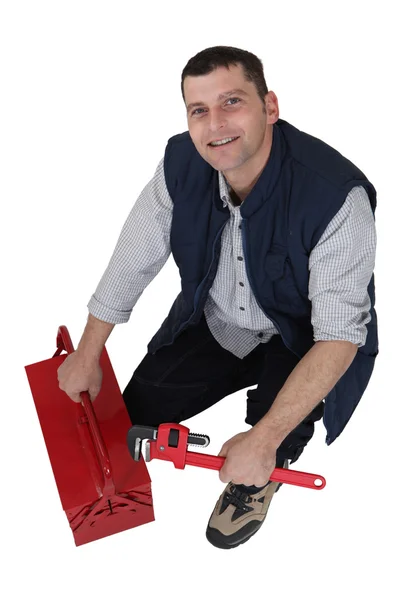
303, 185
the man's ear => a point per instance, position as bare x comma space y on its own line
272, 107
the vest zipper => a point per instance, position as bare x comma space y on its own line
219, 232
250, 278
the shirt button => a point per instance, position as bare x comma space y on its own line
241, 283
240, 257
260, 335
241, 307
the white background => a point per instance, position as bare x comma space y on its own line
90, 95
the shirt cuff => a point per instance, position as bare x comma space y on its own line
357, 337
107, 314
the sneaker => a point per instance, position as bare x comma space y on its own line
238, 515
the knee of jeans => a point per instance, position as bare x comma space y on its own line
146, 406
151, 403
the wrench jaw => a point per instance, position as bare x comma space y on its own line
147, 456
137, 449
135, 437
138, 433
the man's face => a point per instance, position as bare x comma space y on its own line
224, 105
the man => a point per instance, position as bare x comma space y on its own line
273, 232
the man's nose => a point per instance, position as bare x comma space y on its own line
217, 119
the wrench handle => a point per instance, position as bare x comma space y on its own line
308, 480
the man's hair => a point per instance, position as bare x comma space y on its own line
208, 60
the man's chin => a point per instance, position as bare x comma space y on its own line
224, 163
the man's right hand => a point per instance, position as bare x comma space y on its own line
78, 374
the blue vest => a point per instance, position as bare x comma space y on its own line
303, 185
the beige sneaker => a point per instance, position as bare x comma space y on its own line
238, 515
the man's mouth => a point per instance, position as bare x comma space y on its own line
223, 142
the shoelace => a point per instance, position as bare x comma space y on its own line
237, 498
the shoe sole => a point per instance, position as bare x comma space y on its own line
217, 539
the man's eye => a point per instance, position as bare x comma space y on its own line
195, 112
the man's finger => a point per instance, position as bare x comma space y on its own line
224, 478
224, 450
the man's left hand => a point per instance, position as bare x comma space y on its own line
249, 460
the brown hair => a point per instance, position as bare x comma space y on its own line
208, 60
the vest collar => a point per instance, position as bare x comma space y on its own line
266, 183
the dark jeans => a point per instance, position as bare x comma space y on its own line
187, 377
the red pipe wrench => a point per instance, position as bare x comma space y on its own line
169, 441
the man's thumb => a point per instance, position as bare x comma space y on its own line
224, 450
93, 393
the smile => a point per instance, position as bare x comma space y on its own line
224, 142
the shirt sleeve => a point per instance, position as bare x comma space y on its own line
341, 266
142, 249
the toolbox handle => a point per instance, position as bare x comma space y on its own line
64, 342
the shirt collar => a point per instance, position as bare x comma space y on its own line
224, 189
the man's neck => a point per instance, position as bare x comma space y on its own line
243, 179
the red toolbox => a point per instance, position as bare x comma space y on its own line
102, 490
